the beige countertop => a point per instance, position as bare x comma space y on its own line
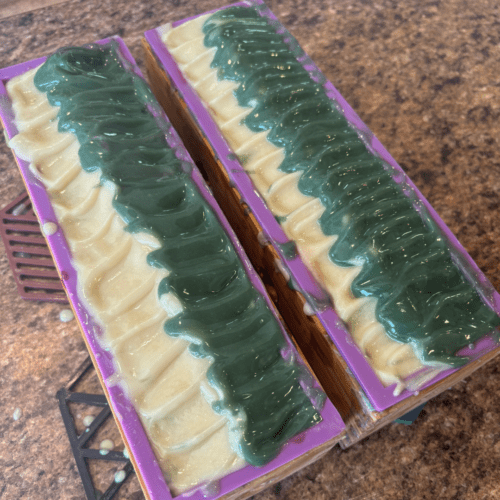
425, 77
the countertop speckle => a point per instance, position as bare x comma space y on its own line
424, 76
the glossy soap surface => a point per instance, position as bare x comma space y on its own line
422, 297
222, 316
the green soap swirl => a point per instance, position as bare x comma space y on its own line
423, 298
106, 107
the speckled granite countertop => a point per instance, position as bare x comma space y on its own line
424, 76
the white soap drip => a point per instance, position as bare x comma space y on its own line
87, 420
262, 239
281, 269
120, 476
66, 315
49, 228
308, 310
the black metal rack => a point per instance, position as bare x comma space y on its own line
79, 442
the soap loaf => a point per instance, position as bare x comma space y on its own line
353, 219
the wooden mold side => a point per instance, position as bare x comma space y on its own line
332, 371
307, 331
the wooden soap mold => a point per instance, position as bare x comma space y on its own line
319, 350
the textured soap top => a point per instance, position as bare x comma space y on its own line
423, 299
223, 316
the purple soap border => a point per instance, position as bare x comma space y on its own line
138, 443
380, 397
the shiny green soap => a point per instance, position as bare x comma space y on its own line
108, 108
423, 298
